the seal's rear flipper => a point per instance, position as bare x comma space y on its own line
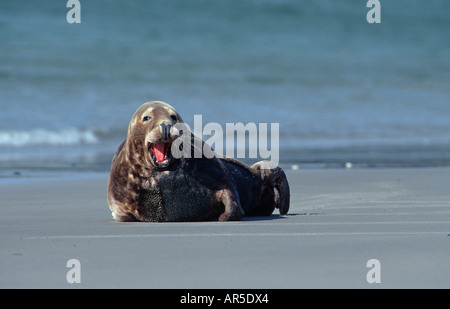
274, 190
281, 192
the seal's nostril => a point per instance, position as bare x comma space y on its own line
165, 131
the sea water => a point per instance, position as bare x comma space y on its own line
345, 92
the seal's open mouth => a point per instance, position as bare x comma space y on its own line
161, 154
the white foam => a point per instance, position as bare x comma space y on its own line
63, 137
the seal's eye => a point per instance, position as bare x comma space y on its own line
146, 118
174, 117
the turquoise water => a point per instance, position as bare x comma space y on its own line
341, 89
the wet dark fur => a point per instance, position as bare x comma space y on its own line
189, 189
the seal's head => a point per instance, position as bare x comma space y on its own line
151, 133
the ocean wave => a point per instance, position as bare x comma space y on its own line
45, 137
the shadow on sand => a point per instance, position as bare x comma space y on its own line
269, 218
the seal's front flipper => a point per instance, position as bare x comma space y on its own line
230, 201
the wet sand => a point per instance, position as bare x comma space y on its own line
338, 221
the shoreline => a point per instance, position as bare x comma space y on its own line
338, 220
62, 174
37, 161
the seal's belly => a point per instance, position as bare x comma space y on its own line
187, 200
188, 193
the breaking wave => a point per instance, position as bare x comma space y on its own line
44, 137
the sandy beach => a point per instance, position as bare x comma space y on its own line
338, 221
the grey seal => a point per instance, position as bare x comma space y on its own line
148, 183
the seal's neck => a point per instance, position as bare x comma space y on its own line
137, 157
